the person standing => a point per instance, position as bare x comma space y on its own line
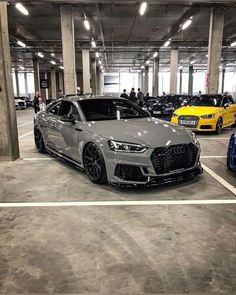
132, 95
140, 97
124, 94
60, 94
36, 102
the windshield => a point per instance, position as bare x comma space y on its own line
110, 109
206, 101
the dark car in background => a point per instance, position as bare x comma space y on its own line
28, 101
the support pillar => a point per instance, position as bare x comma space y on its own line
223, 81
61, 82
173, 71
68, 49
101, 82
26, 84
86, 70
190, 80
142, 81
214, 49
9, 147
46, 89
180, 81
146, 80
53, 83
94, 77
17, 84
155, 86
36, 75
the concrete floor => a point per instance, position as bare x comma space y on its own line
139, 249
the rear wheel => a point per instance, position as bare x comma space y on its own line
39, 142
94, 164
219, 126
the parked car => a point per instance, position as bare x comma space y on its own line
115, 141
29, 101
20, 104
147, 106
231, 156
207, 113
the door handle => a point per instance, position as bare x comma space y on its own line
78, 129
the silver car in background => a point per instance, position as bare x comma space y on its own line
115, 141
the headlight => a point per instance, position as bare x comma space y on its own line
174, 115
208, 116
194, 137
126, 147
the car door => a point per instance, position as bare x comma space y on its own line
231, 110
69, 132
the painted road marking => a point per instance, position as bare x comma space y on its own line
116, 203
214, 138
37, 159
213, 157
25, 134
227, 185
24, 124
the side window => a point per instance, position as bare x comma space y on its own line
68, 108
231, 100
54, 108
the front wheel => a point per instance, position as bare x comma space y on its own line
219, 126
94, 164
39, 142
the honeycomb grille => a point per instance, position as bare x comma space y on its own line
168, 159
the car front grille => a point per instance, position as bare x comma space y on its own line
188, 121
21, 104
168, 159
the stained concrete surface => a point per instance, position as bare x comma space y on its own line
121, 250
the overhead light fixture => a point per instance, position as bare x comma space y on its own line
142, 8
21, 67
233, 44
142, 67
22, 44
192, 62
40, 54
93, 43
86, 24
61, 60
167, 43
100, 62
147, 62
52, 62
52, 54
180, 68
97, 54
61, 67
187, 24
101, 67
155, 54
102, 71
22, 9
206, 55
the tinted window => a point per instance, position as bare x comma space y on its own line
53, 109
207, 101
110, 109
68, 108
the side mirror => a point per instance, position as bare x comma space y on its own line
68, 118
226, 105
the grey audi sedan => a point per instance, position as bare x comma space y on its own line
115, 141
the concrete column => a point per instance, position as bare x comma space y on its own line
173, 71
223, 81
101, 82
180, 81
146, 80
36, 75
142, 81
190, 80
68, 49
26, 84
17, 84
86, 70
155, 86
46, 89
214, 49
9, 147
53, 83
61, 81
94, 77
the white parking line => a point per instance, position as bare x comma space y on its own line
213, 157
115, 203
213, 138
24, 124
25, 134
227, 185
37, 159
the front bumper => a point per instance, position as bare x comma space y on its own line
202, 125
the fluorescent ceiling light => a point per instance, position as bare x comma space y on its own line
155, 54
21, 67
186, 24
22, 9
97, 54
61, 67
93, 43
86, 24
52, 62
192, 62
142, 67
99, 62
147, 62
101, 67
167, 43
21, 43
180, 68
142, 8
40, 54
52, 54
233, 44
206, 55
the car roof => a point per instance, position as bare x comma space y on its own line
80, 98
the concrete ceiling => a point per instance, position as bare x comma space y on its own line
124, 38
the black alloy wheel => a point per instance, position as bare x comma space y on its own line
39, 142
219, 126
94, 164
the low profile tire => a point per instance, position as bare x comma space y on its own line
39, 142
219, 126
94, 164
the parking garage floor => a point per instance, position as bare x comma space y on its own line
172, 239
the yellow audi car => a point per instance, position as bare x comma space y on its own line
207, 113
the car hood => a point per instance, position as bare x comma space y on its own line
197, 111
148, 131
